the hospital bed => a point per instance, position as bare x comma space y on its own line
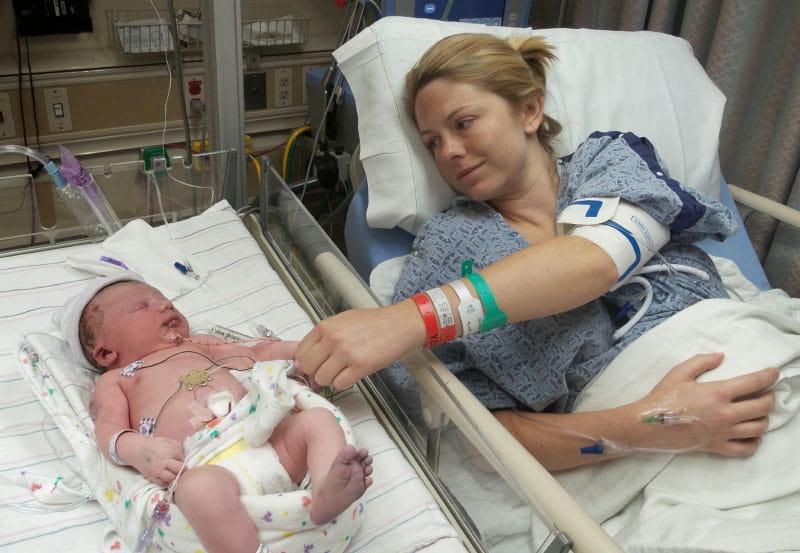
644, 82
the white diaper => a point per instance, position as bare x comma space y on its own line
258, 469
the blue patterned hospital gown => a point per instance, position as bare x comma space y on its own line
543, 364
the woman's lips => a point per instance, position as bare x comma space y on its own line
464, 173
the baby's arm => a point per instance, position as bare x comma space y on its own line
264, 350
275, 349
157, 459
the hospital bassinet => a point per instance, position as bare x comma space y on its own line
286, 273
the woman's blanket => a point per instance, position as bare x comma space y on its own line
129, 499
698, 501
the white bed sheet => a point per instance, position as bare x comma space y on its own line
508, 524
32, 286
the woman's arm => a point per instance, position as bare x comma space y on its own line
543, 279
728, 418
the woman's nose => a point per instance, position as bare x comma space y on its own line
452, 148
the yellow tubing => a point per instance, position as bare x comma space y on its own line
288, 146
257, 165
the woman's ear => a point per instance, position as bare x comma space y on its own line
533, 113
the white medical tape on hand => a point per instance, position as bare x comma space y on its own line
630, 236
470, 309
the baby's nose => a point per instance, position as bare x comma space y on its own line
165, 305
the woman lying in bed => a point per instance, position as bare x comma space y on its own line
584, 253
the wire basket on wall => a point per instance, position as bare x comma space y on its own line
142, 32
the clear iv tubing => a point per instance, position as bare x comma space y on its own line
25, 151
604, 446
254, 328
48, 164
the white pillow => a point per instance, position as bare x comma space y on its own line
644, 82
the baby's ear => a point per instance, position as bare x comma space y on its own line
104, 357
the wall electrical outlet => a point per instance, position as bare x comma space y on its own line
194, 88
58, 113
306, 70
283, 86
7, 128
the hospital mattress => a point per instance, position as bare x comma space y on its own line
401, 513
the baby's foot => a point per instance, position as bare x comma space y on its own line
346, 481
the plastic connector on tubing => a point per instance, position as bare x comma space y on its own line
594, 449
55, 176
667, 418
183, 269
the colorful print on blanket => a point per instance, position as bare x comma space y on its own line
129, 499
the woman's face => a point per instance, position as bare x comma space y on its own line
479, 141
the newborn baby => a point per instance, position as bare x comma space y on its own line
166, 383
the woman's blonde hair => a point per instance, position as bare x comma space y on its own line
513, 69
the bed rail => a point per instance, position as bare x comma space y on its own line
763, 204
506, 455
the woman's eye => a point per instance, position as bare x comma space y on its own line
462, 124
432, 143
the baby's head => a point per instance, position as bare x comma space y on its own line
118, 320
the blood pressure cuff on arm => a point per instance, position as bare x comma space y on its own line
622, 165
627, 233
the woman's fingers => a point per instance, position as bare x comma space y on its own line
345, 379
749, 429
328, 371
756, 408
752, 383
312, 352
740, 448
308, 342
695, 366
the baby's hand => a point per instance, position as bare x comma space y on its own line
159, 459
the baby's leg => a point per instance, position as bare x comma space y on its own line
208, 496
312, 440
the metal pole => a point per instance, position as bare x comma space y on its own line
222, 60
173, 25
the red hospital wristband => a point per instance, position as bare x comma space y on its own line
428, 314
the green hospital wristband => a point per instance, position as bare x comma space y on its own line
494, 317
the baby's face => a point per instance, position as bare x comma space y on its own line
137, 320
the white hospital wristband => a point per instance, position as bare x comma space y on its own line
112, 447
470, 309
444, 312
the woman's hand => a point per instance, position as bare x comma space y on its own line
344, 348
732, 413
157, 459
